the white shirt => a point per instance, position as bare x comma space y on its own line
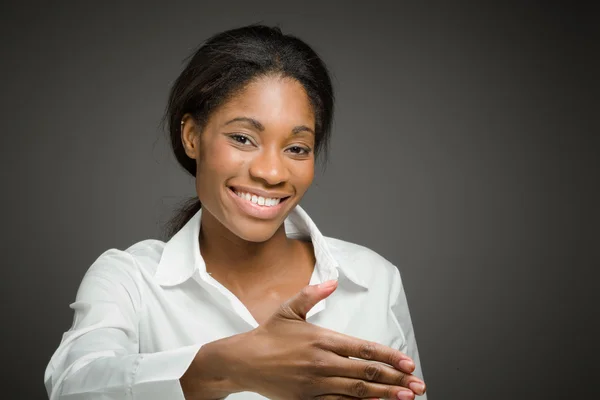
142, 314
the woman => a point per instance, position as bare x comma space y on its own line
247, 299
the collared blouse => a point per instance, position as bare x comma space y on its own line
142, 314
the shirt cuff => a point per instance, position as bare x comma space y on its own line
156, 375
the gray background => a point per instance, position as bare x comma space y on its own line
463, 151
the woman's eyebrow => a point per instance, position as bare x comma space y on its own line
302, 128
251, 121
260, 127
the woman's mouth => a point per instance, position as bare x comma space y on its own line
259, 205
260, 200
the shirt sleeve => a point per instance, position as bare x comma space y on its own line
401, 314
98, 357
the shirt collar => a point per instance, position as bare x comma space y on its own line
181, 255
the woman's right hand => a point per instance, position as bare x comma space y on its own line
288, 358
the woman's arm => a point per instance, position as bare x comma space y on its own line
98, 358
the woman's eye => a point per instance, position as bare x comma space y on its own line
241, 139
299, 150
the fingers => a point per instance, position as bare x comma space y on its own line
348, 346
339, 397
355, 388
299, 305
336, 397
379, 373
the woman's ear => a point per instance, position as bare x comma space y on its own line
189, 136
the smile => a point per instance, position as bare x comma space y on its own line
260, 200
258, 205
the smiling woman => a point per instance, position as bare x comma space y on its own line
260, 144
247, 299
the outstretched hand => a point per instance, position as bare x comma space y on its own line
288, 358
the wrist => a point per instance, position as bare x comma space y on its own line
236, 366
210, 375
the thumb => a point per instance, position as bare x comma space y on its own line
307, 298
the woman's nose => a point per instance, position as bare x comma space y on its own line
269, 166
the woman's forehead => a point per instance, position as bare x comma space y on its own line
269, 100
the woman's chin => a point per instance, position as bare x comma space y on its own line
256, 233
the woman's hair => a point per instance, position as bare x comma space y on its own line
224, 65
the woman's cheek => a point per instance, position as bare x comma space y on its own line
304, 172
223, 159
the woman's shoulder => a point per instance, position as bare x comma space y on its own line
365, 263
133, 261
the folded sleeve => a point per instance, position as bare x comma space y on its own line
401, 314
99, 357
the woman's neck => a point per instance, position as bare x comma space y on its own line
240, 262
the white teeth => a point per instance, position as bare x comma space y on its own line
261, 201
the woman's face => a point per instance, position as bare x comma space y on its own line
255, 156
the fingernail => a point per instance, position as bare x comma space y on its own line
407, 366
417, 387
327, 284
405, 395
